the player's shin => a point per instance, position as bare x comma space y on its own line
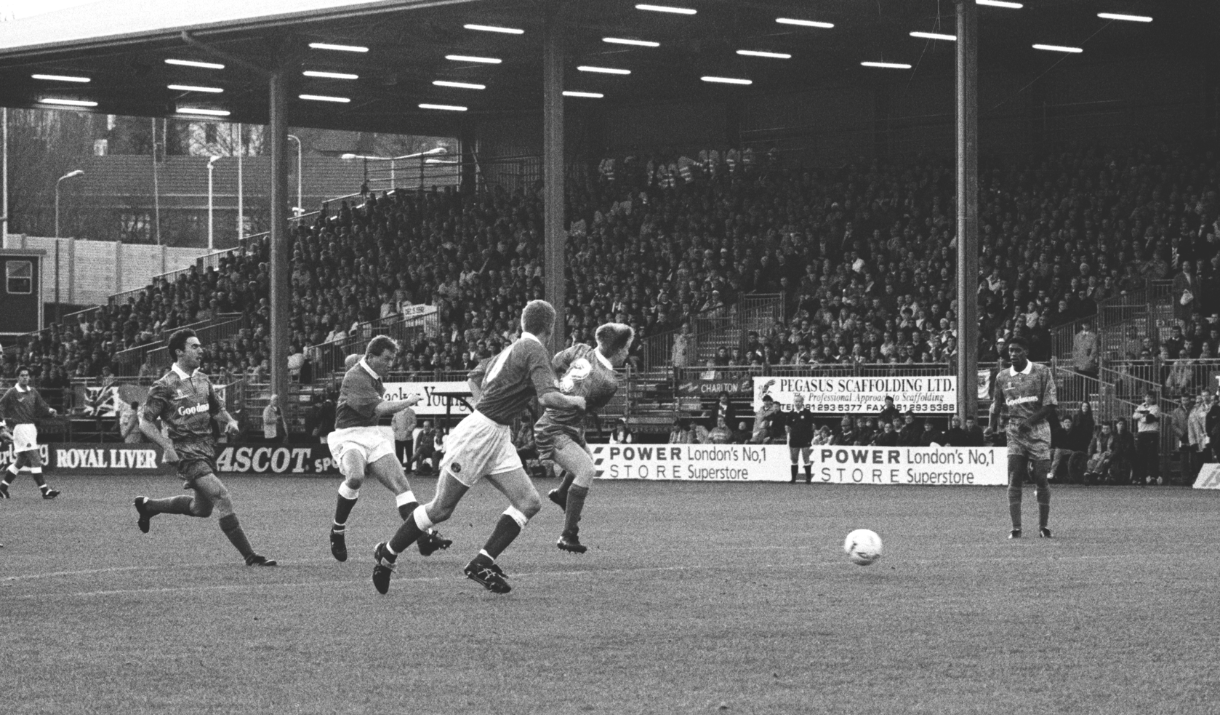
232, 529
407, 504
507, 528
409, 532
345, 502
169, 505
571, 514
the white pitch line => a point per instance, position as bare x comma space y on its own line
120, 569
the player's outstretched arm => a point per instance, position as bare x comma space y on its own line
559, 401
390, 407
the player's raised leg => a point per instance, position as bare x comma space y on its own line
579, 463
351, 465
389, 471
449, 491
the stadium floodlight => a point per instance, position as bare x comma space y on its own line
1124, 18
761, 53
204, 111
631, 42
603, 70
195, 88
667, 8
458, 85
337, 48
443, 107
324, 98
61, 78
472, 58
67, 102
1000, 3
804, 23
195, 63
495, 28
586, 95
330, 75
934, 36
726, 80
887, 65
1060, 48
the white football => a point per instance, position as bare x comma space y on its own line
863, 547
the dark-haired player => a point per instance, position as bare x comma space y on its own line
20, 407
559, 434
1025, 395
185, 403
481, 446
359, 445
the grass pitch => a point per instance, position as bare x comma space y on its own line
693, 598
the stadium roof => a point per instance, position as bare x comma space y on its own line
122, 48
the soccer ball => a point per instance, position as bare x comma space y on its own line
863, 547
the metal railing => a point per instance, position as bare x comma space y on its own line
328, 357
723, 327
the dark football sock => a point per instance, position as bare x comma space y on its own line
1044, 506
343, 509
408, 533
1014, 510
793, 469
406, 510
506, 530
571, 513
39, 480
566, 483
169, 505
808, 473
233, 530
11, 473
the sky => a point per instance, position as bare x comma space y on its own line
19, 9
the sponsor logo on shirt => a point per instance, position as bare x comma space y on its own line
1022, 400
193, 410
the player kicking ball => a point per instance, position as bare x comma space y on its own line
481, 447
1025, 394
559, 434
22, 406
185, 403
360, 446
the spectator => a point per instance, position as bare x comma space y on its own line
403, 426
684, 353
1084, 350
1101, 454
931, 436
768, 423
1185, 290
1147, 418
129, 424
424, 442
887, 437
1179, 419
274, 427
910, 433
621, 434
325, 418
1124, 454
1197, 432
720, 433
974, 434
956, 435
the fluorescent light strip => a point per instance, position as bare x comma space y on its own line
204, 111
193, 88
324, 98
588, 95
626, 41
68, 102
603, 70
337, 48
934, 36
61, 78
330, 75
887, 65
193, 63
458, 85
667, 8
1126, 18
1059, 48
494, 28
1000, 3
444, 107
471, 58
760, 53
727, 80
804, 23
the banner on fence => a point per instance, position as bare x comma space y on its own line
275, 459
696, 385
862, 395
437, 398
932, 466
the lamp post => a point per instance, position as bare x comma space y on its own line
393, 159
300, 202
211, 232
70, 175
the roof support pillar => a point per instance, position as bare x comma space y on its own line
278, 221
967, 209
554, 236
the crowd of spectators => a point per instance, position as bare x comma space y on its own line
864, 254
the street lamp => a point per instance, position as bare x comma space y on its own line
211, 166
393, 159
70, 175
300, 203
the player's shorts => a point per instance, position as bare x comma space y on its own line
1034, 444
551, 440
25, 438
195, 460
801, 444
371, 443
478, 447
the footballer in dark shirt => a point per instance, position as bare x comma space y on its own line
799, 425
